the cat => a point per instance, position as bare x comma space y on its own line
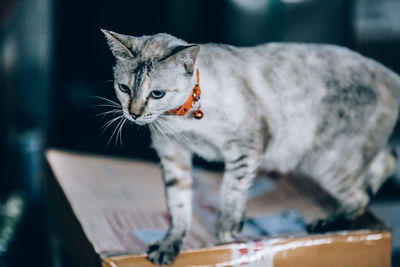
317, 110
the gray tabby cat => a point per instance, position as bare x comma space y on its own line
320, 111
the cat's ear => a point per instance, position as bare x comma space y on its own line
120, 45
185, 55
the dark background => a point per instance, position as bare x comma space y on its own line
54, 59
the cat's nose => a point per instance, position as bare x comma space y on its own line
134, 116
136, 110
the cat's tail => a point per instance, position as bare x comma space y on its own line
395, 150
393, 146
392, 79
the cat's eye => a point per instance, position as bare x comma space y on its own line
157, 94
124, 88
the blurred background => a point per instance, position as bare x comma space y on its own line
54, 60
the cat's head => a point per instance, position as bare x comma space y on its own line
152, 75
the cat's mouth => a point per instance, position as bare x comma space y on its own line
142, 120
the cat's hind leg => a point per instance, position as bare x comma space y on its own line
351, 205
353, 199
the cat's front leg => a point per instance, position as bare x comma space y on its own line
240, 172
176, 165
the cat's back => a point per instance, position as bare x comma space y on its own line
307, 91
299, 70
307, 60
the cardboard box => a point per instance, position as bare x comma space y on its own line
118, 208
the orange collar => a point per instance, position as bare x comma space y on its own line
192, 101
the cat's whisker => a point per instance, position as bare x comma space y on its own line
106, 125
178, 135
116, 110
153, 129
166, 128
106, 99
163, 130
150, 127
160, 132
107, 105
120, 131
185, 137
111, 121
113, 111
113, 133
157, 130
117, 129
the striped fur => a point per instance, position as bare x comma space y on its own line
317, 110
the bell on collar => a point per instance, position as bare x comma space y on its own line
198, 114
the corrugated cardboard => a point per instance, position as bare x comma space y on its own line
362, 248
120, 206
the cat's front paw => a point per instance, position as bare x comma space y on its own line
228, 230
164, 253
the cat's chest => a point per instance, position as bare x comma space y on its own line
202, 137
203, 145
